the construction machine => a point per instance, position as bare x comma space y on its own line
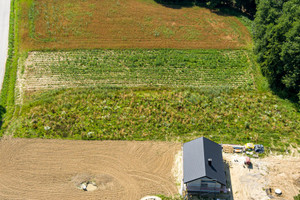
259, 148
249, 146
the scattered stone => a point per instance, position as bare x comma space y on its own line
151, 198
83, 186
90, 134
278, 192
88, 186
91, 187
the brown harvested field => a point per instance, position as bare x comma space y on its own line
126, 24
51, 169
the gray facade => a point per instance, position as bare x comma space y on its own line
203, 168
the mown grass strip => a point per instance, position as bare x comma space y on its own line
8, 87
10, 58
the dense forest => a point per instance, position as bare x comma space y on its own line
277, 45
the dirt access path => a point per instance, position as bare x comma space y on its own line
52, 169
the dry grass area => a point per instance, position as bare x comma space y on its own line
126, 24
273, 172
52, 169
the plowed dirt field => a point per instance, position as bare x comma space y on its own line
53, 169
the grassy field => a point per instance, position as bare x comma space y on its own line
70, 24
160, 114
217, 69
150, 95
138, 94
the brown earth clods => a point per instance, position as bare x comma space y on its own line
54, 169
89, 24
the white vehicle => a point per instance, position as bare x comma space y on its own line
238, 149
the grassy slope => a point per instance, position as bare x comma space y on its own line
7, 97
169, 114
160, 114
152, 112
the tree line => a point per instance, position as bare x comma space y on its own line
277, 45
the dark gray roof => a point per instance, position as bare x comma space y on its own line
195, 160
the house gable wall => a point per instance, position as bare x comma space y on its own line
204, 185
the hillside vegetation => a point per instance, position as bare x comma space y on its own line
277, 45
150, 95
160, 114
139, 94
136, 68
89, 24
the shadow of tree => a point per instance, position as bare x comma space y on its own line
177, 4
2, 112
229, 11
288, 95
222, 10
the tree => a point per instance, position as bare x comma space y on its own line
249, 6
290, 52
277, 44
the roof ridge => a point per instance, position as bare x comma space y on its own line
204, 157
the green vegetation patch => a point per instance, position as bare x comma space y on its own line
7, 97
139, 114
137, 68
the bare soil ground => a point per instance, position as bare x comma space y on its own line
126, 24
282, 172
52, 169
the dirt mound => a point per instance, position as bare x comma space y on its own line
54, 169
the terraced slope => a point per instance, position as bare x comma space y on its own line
142, 94
136, 68
159, 114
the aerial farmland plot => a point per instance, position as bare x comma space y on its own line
138, 71
126, 24
136, 68
54, 169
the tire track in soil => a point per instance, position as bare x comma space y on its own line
43, 169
